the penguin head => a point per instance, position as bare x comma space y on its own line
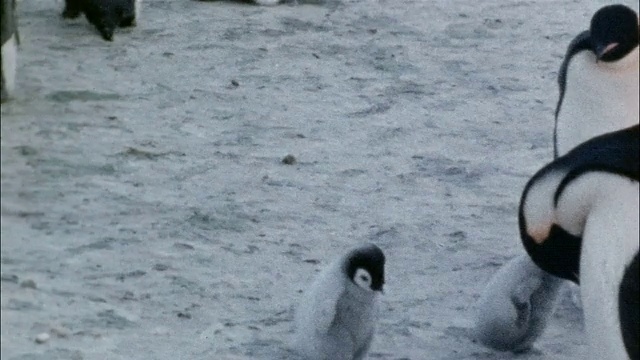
365, 267
613, 32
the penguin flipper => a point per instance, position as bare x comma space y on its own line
327, 308
521, 299
327, 290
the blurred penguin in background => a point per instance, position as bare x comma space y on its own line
10, 42
105, 15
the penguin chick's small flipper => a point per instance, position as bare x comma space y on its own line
319, 304
328, 302
523, 310
521, 298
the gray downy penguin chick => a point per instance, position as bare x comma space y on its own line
337, 315
515, 306
598, 79
10, 40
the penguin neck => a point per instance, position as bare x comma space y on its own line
598, 97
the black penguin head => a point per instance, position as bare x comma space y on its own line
614, 32
365, 267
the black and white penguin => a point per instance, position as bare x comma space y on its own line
105, 15
551, 220
515, 306
337, 315
10, 41
602, 79
598, 79
579, 219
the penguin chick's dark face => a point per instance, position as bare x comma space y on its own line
614, 32
365, 267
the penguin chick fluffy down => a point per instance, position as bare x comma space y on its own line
336, 317
515, 306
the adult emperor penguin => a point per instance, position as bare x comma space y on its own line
579, 220
336, 318
10, 41
598, 79
515, 306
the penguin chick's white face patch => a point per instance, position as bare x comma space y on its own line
538, 206
363, 279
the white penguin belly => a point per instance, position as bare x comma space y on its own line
9, 63
598, 99
610, 240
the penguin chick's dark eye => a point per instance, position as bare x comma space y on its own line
364, 278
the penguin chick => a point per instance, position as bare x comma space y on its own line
515, 306
558, 198
337, 315
105, 15
598, 79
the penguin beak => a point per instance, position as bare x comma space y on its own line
602, 50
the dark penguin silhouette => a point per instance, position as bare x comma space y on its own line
10, 42
105, 15
598, 79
